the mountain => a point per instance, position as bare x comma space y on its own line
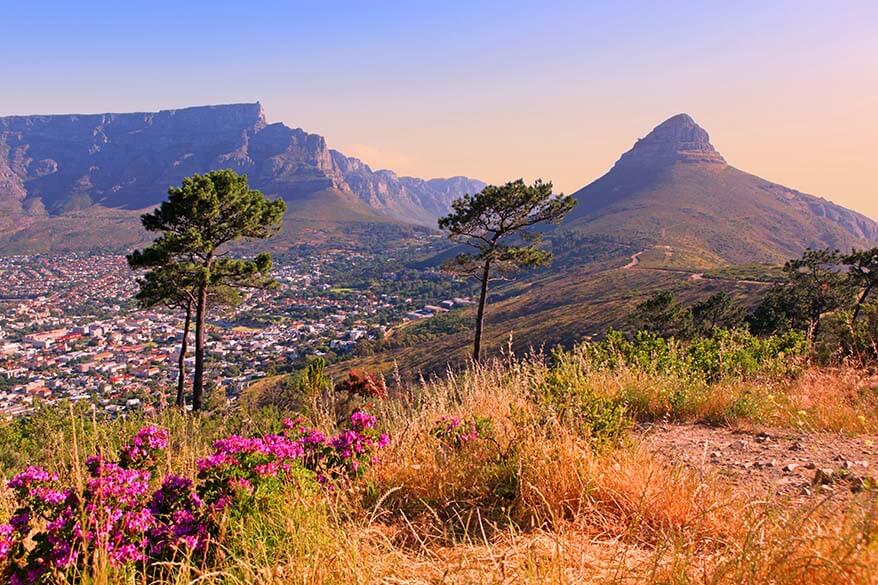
671, 214
419, 200
674, 191
63, 164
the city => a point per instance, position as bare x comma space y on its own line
71, 329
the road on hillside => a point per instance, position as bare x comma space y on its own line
634, 264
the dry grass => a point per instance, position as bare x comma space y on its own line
537, 502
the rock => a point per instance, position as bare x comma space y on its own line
823, 476
790, 467
715, 455
859, 484
677, 139
762, 437
810, 465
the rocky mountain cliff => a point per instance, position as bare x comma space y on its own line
52, 165
674, 189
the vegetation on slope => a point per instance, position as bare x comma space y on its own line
521, 470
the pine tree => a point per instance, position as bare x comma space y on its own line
196, 222
488, 220
170, 285
863, 273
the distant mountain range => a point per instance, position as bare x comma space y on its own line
674, 190
671, 214
63, 164
77, 181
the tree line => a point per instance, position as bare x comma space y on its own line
822, 285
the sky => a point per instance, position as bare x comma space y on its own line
788, 90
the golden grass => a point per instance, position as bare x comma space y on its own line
537, 502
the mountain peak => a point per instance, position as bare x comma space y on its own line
677, 139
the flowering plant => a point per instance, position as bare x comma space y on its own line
120, 514
345, 454
454, 432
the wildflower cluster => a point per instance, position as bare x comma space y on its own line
455, 432
121, 514
239, 466
345, 454
112, 514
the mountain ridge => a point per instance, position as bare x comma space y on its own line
52, 164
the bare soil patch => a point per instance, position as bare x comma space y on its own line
780, 461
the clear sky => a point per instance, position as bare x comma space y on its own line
493, 90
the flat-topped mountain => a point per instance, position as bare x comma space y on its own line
674, 189
54, 165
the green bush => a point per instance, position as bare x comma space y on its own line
569, 394
723, 354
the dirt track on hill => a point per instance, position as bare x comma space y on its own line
782, 461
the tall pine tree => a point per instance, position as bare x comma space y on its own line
196, 222
495, 222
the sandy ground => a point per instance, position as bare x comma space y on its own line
799, 465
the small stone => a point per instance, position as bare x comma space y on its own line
790, 467
858, 484
797, 446
823, 476
762, 437
810, 465
806, 491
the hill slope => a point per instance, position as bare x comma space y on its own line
670, 208
674, 189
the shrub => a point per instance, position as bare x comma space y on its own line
119, 515
725, 353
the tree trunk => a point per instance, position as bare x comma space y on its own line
860, 302
184, 348
198, 378
480, 315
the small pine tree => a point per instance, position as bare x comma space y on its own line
863, 274
719, 310
663, 315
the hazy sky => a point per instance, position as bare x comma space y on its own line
493, 90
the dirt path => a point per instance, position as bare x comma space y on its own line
800, 465
635, 260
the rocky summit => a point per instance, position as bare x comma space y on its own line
55, 165
677, 139
674, 190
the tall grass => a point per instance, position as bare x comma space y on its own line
556, 490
